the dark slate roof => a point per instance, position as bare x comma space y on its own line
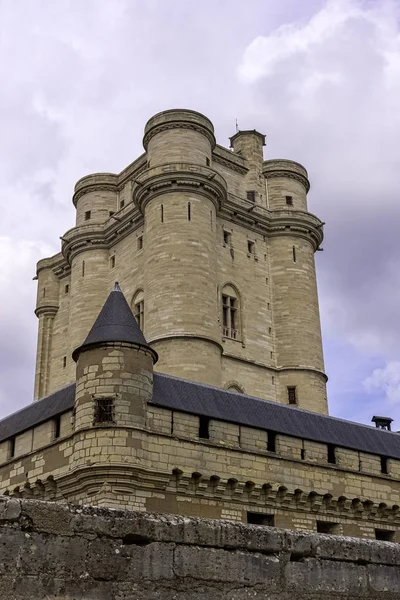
195, 398
115, 323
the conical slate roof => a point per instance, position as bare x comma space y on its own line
115, 323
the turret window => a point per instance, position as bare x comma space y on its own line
230, 313
251, 195
289, 200
227, 238
103, 410
251, 247
292, 395
140, 242
88, 215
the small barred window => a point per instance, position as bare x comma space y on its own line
103, 410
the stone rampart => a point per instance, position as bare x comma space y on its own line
59, 552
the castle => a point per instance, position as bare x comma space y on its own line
196, 384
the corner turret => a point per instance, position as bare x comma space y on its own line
114, 370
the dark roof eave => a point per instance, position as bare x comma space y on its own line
93, 345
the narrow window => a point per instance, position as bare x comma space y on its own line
103, 410
303, 453
292, 396
122, 204
251, 195
139, 313
294, 254
11, 448
326, 527
273, 380
289, 200
251, 247
331, 454
57, 427
140, 242
64, 361
271, 354
44, 292
227, 237
83, 268
271, 441
260, 519
211, 220
268, 305
162, 213
111, 213
88, 215
66, 289
204, 423
112, 262
384, 465
269, 330
385, 535
207, 161
229, 317
189, 211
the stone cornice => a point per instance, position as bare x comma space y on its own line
176, 177
178, 119
229, 159
49, 310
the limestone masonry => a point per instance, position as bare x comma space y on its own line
195, 385
55, 552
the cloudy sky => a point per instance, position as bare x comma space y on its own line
79, 78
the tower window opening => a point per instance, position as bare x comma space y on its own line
331, 455
207, 161
294, 254
162, 213
211, 220
292, 395
251, 195
230, 316
204, 423
111, 212
251, 247
385, 535
329, 528
83, 268
64, 362
122, 203
66, 289
103, 410
112, 262
44, 292
139, 313
271, 441
384, 465
88, 215
57, 427
11, 448
140, 242
189, 212
227, 238
289, 200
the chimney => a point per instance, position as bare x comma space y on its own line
382, 422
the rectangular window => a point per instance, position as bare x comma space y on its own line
11, 448
207, 161
229, 317
385, 535
103, 410
88, 215
111, 213
162, 213
331, 454
204, 423
57, 427
139, 314
292, 397
112, 262
122, 204
289, 200
251, 247
189, 212
260, 519
294, 254
251, 195
140, 242
227, 237
326, 527
66, 289
64, 361
384, 465
83, 268
271, 441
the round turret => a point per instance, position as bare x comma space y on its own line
287, 185
95, 198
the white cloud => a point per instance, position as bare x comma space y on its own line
386, 382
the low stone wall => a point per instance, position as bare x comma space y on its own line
50, 551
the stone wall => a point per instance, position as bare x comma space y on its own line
59, 552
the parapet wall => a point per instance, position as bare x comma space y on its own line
61, 552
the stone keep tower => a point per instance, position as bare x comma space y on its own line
214, 248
